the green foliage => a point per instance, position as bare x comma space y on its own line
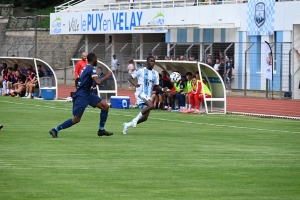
170, 156
6, 1
40, 3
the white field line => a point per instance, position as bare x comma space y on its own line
163, 119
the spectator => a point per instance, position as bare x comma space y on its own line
131, 3
228, 74
181, 58
114, 65
197, 96
203, 59
192, 58
197, 75
79, 66
3, 74
40, 71
102, 85
13, 83
232, 63
20, 85
222, 68
139, 66
156, 58
16, 67
165, 77
8, 76
209, 56
221, 55
217, 64
130, 69
188, 88
159, 95
209, 62
30, 83
177, 92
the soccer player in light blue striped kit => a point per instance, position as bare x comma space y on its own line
147, 77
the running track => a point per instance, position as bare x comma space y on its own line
290, 108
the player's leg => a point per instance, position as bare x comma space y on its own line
146, 111
161, 103
143, 115
96, 101
197, 104
79, 106
192, 102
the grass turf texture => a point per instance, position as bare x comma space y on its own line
171, 156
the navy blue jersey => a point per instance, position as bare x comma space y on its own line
86, 81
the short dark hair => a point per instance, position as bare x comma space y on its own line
4, 65
39, 65
16, 66
148, 58
99, 68
91, 56
189, 73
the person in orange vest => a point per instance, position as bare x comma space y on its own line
197, 96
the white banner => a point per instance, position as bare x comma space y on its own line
106, 22
268, 63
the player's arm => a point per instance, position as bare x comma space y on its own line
131, 78
99, 81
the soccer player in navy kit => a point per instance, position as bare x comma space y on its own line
83, 97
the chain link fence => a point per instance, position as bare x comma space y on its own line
247, 58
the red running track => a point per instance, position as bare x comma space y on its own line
289, 108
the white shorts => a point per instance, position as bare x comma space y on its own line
141, 98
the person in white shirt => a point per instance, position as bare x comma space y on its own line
216, 66
114, 64
130, 69
147, 77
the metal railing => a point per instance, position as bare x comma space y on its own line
84, 6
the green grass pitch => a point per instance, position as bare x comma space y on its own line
171, 156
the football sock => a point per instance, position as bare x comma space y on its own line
68, 123
26, 94
189, 106
138, 117
103, 118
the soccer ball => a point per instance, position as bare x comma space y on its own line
175, 77
69, 99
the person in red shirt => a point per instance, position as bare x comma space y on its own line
79, 66
196, 95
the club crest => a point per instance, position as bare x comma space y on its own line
260, 14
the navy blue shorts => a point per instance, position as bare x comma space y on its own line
80, 103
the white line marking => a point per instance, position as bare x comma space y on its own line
169, 120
